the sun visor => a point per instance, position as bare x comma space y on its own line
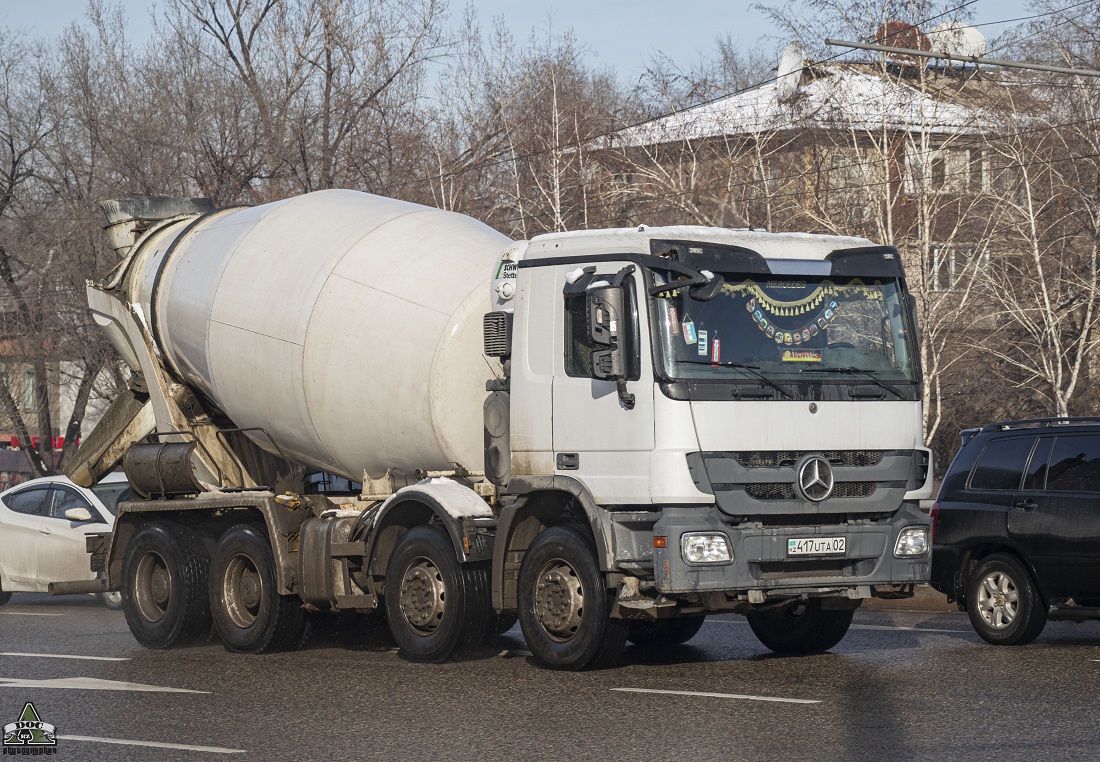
867, 262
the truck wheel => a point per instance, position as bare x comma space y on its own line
164, 575
1002, 602
800, 627
5, 596
437, 608
564, 605
249, 615
665, 632
112, 600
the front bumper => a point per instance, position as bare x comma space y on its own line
760, 561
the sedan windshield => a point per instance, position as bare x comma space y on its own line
781, 327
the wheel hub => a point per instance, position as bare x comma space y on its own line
559, 600
423, 596
998, 600
152, 586
242, 590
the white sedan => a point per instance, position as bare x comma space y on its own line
43, 523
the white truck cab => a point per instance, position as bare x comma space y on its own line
742, 408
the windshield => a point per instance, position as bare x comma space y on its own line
786, 328
111, 493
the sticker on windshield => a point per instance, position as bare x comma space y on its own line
688, 329
716, 353
801, 355
673, 317
703, 343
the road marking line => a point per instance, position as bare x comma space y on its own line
853, 627
154, 744
88, 684
27, 613
720, 695
67, 656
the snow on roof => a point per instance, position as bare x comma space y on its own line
830, 96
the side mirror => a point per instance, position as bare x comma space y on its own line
78, 514
605, 313
607, 321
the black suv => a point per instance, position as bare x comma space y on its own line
1016, 526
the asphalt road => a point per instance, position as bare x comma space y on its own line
901, 686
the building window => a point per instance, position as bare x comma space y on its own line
30, 392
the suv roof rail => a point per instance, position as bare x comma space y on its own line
1039, 423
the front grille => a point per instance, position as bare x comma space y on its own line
770, 491
779, 458
854, 489
781, 491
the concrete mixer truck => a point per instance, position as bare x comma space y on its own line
607, 434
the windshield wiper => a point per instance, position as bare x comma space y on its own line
753, 369
863, 372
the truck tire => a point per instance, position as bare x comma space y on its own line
665, 632
1003, 603
437, 608
564, 605
112, 600
249, 615
5, 596
800, 627
164, 573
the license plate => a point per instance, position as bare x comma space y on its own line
815, 546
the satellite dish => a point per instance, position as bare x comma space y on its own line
790, 70
902, 34
958, 39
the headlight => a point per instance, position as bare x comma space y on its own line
912, 542
705, 548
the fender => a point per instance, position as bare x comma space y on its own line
525, 485
459, 509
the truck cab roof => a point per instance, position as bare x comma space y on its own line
637, 240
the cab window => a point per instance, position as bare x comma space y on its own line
579, 347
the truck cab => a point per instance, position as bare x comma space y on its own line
738, 411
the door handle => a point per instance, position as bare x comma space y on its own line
42, 530
1027, 505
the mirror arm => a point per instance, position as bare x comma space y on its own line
625, 397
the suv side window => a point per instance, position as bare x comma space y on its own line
1035, 480
1075, 464
1001, 466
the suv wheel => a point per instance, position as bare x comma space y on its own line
1002, 602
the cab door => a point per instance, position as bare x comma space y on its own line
597, 439
21, 517
62, 549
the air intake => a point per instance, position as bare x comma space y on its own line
498, 334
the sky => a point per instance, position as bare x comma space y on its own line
622, 34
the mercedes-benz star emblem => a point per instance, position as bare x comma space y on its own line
815, 478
